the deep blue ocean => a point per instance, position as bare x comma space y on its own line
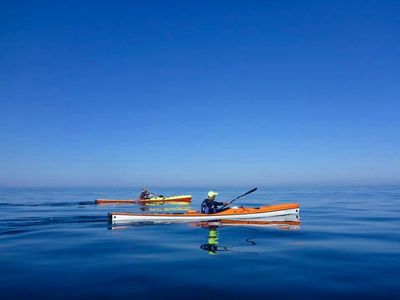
55, 243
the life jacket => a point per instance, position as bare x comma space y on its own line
204, 208
144, 195
209, 207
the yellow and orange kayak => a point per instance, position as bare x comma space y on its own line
174, 199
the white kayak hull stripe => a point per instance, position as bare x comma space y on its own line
124, 218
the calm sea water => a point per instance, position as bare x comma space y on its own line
56, 244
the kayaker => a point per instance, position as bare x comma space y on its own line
210, 206
145, 194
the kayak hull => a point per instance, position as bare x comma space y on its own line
174, 199
288, 222
263, 212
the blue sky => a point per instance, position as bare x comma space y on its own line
199, 93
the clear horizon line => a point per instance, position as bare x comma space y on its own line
207, 186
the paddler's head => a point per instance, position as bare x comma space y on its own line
211, 195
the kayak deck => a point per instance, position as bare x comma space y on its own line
235, 213
173, 199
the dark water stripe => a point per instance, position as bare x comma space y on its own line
14, 232
34, 221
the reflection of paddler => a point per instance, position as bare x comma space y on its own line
212, 246
213, 238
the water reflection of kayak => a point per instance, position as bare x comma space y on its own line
173, 200
234, 213
289, 225
160, 208
292, 225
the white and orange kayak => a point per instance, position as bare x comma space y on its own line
233, 213
288, 222
173, 199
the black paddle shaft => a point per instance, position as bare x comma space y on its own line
249, 192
